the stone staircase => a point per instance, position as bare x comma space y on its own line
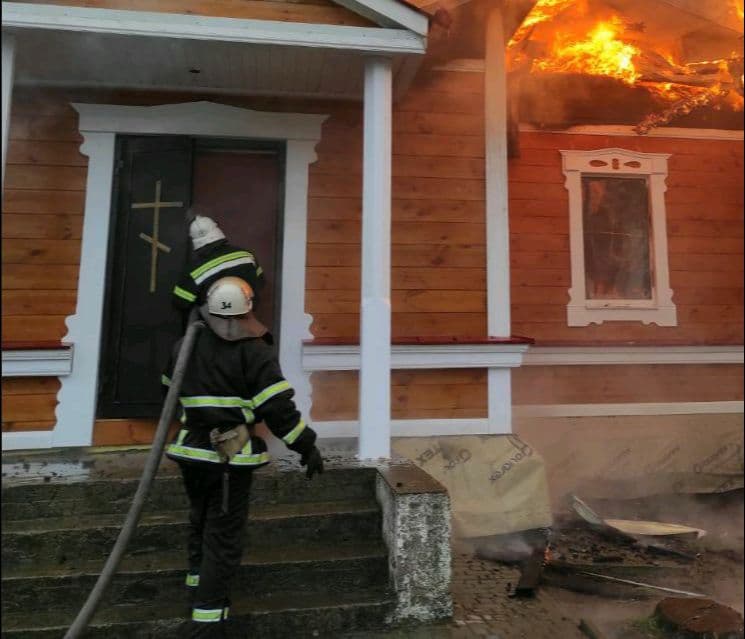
315, 564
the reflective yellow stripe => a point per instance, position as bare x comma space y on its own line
181, 436
202, 272
211, 615
269, 392
192, 581
290, 437
259, 271
184, 294
248, 415
201, 454
250, 460
207, 401
188, 452
165, 380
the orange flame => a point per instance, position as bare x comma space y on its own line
542, 11
602, 52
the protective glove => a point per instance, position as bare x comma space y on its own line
313, 460
228, 444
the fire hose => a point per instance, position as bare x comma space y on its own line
148, 474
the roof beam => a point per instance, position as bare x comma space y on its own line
19, 15
389, 13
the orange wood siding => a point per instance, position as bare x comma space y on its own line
305, 11
627, 383
421, 394
42, 219
28, 403
704, 202
438, 278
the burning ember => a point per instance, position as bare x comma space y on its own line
612, 46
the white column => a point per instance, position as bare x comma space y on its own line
375, 320
497, 218
9, 50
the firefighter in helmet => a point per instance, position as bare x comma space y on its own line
233, 380
212, 258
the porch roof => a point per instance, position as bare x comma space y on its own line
80, 46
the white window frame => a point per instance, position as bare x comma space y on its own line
615, 162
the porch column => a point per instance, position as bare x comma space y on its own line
9, 49
497, 219
375, 312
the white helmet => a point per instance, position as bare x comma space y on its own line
228, 310
230, 296
204, 230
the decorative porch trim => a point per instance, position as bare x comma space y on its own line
46, 362
191, 27
99, 125
619, 163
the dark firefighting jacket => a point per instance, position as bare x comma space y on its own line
232, 383
210, 263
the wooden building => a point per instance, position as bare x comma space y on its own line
371, 155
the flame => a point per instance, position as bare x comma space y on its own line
542, 11
601, 52
737, 6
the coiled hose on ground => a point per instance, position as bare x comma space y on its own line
148, 474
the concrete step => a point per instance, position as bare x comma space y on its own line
157, 578
258, 614
77, 539
111, 496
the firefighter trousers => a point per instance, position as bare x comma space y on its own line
215, 542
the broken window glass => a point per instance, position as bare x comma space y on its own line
616, 228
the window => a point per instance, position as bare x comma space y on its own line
618, 239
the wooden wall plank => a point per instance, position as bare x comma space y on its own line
34, 328
38, 302
49, 228
38, 177
630, 383
47, 153
41, 252
28, 408
39, 277
31, 385
44, 202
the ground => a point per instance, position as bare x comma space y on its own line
482, 607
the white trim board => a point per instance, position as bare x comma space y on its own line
389, 13
628, 131
317, 357
99, 125
19, 15
605, 355
27, 440
37, 362
422, 356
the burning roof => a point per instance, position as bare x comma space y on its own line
627, 41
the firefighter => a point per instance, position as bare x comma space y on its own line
232, 381
213, 257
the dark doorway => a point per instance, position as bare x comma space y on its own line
236, 182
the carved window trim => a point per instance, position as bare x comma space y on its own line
582, 311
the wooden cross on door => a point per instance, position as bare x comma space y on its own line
155, 244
